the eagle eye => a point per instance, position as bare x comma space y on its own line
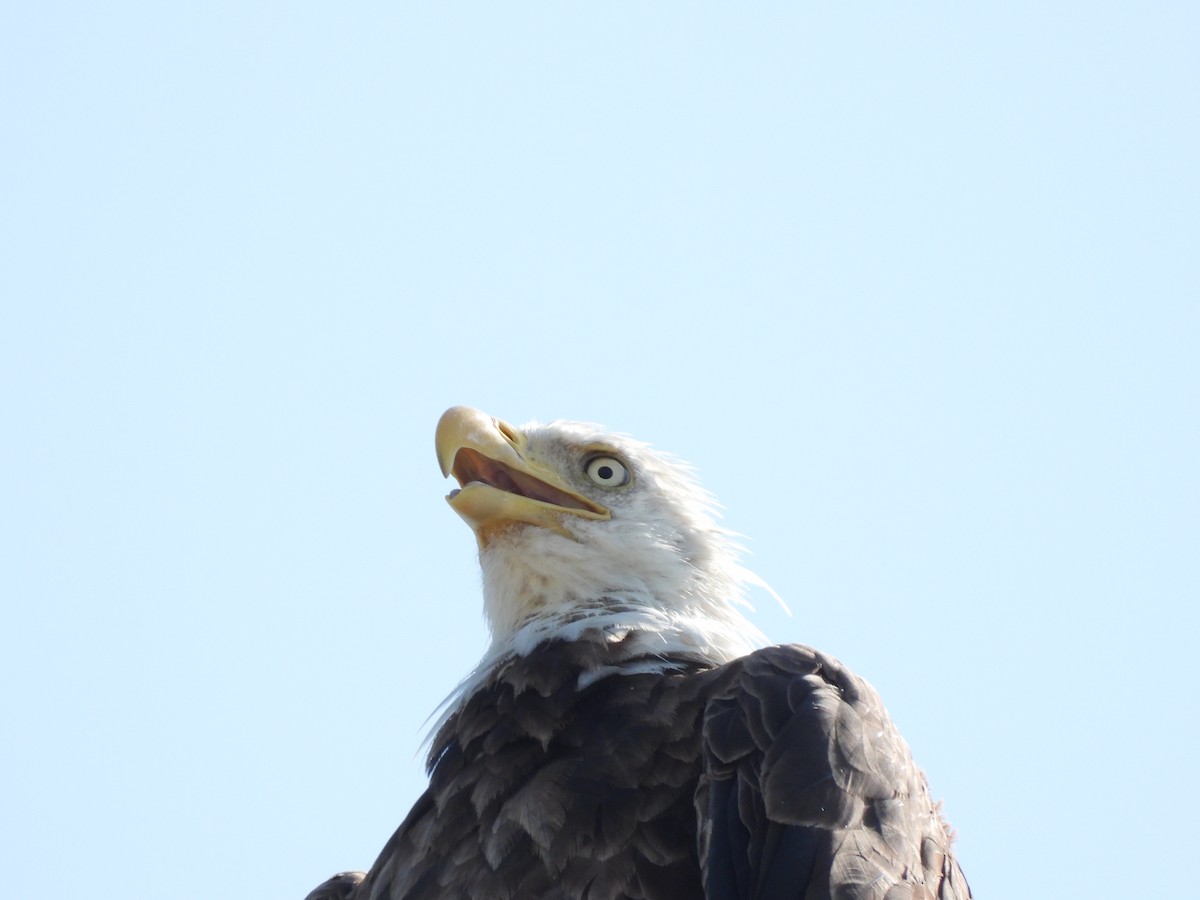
607, 472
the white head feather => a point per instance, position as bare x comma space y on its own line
660, 569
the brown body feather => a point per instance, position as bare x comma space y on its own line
775, 775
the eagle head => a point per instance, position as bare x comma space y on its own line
580, 529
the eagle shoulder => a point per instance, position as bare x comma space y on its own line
808, 789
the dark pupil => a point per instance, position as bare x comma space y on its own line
605, 472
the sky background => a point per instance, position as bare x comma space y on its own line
915, 289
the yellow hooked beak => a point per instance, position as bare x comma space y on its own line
499, 484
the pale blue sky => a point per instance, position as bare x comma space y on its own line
916, 290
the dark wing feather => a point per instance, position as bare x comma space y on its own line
340, 887
809, 791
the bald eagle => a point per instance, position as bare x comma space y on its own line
627, 735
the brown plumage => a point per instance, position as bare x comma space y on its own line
615, 756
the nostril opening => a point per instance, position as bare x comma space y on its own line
507, 430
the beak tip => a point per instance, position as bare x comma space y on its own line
453, 428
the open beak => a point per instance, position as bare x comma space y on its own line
499, 485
